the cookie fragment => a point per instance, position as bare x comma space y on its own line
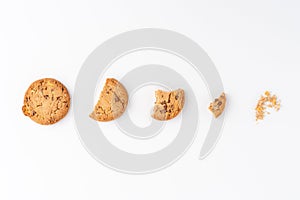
266, 101
112, 102
168, 104
46, 101
218, 105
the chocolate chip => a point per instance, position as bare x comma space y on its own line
117, 99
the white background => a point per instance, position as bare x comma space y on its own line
255, 46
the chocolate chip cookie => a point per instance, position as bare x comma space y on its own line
218, 105
46, 101
168, 104
112, 102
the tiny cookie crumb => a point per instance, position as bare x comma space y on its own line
218, 105
168, 104
46, 101
112, 102
266, 101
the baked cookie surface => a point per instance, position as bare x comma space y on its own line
112, 102
218, 105
46, 101
168, 104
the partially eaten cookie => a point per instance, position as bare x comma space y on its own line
218, 105
168, 104
112, 102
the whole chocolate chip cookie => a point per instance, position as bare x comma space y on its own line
46, 101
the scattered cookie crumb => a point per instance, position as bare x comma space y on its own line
218, 105
266, 101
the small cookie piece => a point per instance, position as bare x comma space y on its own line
218, 105
46, 101
168, 104
112, 102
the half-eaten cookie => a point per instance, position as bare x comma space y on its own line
112, 102
168, 104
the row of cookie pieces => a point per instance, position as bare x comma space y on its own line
114, 99
47, 101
